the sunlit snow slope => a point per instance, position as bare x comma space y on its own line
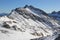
28, 23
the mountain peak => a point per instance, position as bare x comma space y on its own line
54, 12
28, 6
29, 10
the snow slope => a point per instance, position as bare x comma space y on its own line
28, 23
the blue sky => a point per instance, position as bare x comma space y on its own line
46, 5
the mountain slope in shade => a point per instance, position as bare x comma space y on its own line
55, 15
28, 23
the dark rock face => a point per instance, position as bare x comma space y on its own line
58, 38
5, 25
14, 27
32, 8
37, 10
38, 39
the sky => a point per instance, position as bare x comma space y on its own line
47, 5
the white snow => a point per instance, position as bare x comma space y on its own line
15, 35
27, 27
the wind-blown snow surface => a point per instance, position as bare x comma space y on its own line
25, 24
14, 35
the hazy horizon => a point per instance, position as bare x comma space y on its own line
46, 5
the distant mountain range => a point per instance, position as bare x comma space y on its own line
55, 15
3, 14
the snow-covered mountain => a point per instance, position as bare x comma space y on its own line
3, 14
55, 15
28, 23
